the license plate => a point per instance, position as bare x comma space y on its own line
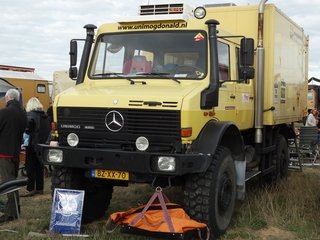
110, 174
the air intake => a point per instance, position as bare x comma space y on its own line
162, 9
162, 12
166, 9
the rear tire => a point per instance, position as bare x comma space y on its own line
281, 161
210, 196
98, 193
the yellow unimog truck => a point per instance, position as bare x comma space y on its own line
204, 98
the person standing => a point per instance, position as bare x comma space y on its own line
38, 128
13, 122
312, 118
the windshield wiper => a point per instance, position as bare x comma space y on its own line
163, 75
115, 74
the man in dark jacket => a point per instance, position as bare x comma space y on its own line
13, 120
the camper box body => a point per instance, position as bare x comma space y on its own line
286, 58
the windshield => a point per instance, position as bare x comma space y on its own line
175, 54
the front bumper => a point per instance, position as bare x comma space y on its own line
130, 161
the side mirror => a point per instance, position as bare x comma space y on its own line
73, 72
246, 73
246, 52
73, 53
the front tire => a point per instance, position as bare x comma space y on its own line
98, 193
210, 196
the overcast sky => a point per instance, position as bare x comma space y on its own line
36, 33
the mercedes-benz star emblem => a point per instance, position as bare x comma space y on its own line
114, 121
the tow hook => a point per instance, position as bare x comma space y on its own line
163, 182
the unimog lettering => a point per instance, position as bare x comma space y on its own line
70, 126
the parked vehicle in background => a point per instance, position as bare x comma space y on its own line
313, 94
61, 81
205, 98
4, 87
31, 84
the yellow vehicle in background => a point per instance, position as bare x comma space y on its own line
4, 87
204, 98
30, 84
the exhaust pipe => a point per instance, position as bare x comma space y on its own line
259, 89
260, 76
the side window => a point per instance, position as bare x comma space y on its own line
41, 88
223, 55
148, 55
171, 61
175, 59
238, 62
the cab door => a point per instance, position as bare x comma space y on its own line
244, 92
226, 111
244, 105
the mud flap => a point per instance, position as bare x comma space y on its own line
240, 167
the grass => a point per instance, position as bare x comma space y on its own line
290, 211
293, 208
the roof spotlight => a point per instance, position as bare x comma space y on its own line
200, 12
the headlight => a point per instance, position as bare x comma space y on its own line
167, 164
142, 143
73, 139
200, 12
55, 155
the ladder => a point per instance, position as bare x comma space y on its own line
294, 156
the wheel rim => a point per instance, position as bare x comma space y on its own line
225, 193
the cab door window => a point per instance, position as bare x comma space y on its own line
223, 55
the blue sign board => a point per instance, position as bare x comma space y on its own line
66, 211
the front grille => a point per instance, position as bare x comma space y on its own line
161, 127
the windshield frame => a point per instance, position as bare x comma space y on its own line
169, 48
